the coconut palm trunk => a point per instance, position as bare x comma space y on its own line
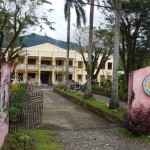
68, 48
78, 5
88, 92
114, 102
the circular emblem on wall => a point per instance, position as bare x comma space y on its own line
146, 85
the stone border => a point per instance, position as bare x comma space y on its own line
93, 109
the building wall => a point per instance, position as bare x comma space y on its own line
55, 65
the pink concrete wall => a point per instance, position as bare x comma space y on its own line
139, 97
4, 128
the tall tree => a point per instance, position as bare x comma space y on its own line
80, 12
134, 32
101, 50
17, 16
114, 102
88, 91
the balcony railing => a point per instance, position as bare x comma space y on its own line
60, 67
32, 66
46, 66
20, 65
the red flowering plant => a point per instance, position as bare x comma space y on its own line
137, 121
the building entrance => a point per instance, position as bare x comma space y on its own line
46, 77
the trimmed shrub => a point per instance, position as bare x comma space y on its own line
138, 121
60, 86
19, 141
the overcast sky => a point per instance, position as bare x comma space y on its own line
60, 25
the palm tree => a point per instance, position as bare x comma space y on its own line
114, 102
80, 12
88, 92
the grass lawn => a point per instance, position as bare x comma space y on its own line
32, 140
125, 133
45, 140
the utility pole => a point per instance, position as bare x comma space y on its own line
114, 102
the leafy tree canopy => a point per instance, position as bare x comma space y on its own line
17, 16
135, 32
102, 48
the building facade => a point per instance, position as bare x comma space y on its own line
46, 64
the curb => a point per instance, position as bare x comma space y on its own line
93, 109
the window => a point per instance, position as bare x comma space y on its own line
20, 76
59, 77
109, 66
59, 62
70, 77
80, 64
80, 77
102, 78
32, 61
70, 63
46, 62
31, 76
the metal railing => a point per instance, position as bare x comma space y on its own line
47, 66
32, 66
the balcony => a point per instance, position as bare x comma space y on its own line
20, 66
71, 69
32, 66
61, 67
46, 67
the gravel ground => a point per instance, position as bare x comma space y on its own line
98, 139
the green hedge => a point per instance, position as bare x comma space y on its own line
123, 94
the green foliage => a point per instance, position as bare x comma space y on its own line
45, 140
16, 105
105, 89
32, 140
16, 21
127, 134
60, 86
18, 89
105, 84
102, 91
19, 141
134, 32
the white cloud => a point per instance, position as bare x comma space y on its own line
60, 25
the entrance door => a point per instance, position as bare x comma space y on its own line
45, 75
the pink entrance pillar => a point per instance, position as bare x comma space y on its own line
139, 88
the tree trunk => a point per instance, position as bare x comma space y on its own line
114, 102
88, 92
68, 48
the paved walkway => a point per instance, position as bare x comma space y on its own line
107, 99
80, 129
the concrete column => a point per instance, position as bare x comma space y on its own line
26, 68
39, 70
53, 70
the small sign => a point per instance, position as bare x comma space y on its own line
146, 85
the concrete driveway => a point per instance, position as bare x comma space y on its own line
80, 129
